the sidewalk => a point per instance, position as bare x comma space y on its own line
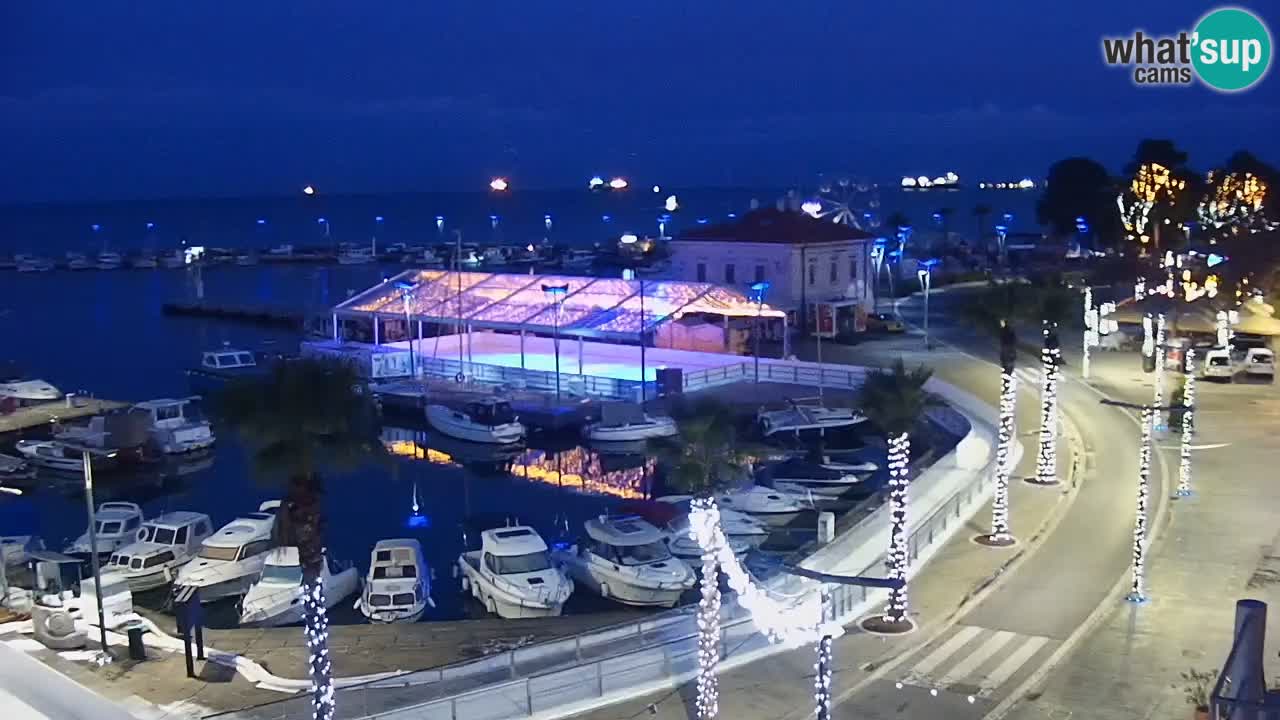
782, 686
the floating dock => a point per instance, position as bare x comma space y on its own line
260, 315
46, 414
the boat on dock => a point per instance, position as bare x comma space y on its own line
627, 560
59, 456
628, 422
26, 393
735, 524
174, 427
486, 420
356, 256
163, 545
219, 367
398, 586
513, 576
232, 558
802, 477
674, 525
117, 525
800, 418
275, 598
772, 506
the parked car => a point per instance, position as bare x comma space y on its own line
884, 322
1260, 363
1218, 364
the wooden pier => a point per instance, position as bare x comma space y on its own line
46, 414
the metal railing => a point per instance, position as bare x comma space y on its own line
570, 383
777, 371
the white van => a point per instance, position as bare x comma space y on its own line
1260, 362
1218, 364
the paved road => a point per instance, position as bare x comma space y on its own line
1001, 641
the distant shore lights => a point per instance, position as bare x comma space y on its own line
949, 180
595, 183
672, 204
812, 208
498, 184
308, 190
1023, 184
618, 183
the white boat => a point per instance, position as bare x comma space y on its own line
281, 251
423, 257
17, 549
736, 525
673, 523
232, 558
513, 576
57, 455
800, 418
108, 260
627, 422
801, 477
398, 586
175, 426
31, 263
117, 526
163, 545
356, 256
79, 261
578, 259
772, 506
488, 420
143, 262
25, 393
275, 598
626, 559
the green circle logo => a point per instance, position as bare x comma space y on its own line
1231, 49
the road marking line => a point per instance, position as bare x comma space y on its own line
949, 648
1211, 446
979, 656
1011, 664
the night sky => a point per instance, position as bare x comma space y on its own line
240, 98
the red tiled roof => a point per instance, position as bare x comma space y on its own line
769, 225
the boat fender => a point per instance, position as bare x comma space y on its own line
466, 584
604, 590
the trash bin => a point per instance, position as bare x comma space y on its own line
137, 651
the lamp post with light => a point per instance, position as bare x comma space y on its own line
93, 547
925, 273
406, 291
758, 291
557, 293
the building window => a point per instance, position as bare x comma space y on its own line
835, 272
702, 272
759, 273
730, 274
853, 269
813, 275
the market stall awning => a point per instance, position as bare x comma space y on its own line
590, 307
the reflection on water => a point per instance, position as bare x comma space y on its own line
578, 468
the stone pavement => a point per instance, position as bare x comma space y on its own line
955, 579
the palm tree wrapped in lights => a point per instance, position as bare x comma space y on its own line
303, 416
1052, 308
707, 456
895, 400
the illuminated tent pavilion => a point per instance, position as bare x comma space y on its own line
599, 308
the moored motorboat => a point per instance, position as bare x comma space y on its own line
57, 455
489, 420
108, 260
628, 422
512, 574
626, 559
674, 525
117, 525
398, 586
771, 506
219, 367
799, 418
802, 477
275, 598
231, 559
25, 393
736, 525
163, 544
174, 427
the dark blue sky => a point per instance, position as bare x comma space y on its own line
234, 97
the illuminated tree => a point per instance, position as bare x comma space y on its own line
1238, 198
303, 417
1158, 195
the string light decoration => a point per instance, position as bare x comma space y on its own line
316, 628
1152, 186
708, 702
1050, 360
1136, 592
1000, 531
896, 559
1188, 402
822, 671
1158, 349
1140, 289
1224, 329
1237, 202
1090, 330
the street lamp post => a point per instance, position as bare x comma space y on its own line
877, 259
644, 395
406, 290
758, 291
93, 549
557, 293
925, 273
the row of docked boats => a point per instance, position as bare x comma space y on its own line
491, 420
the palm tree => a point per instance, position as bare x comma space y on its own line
894, 400
994, 312
302, 419
1051, 306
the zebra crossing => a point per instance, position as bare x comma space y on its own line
973, 660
